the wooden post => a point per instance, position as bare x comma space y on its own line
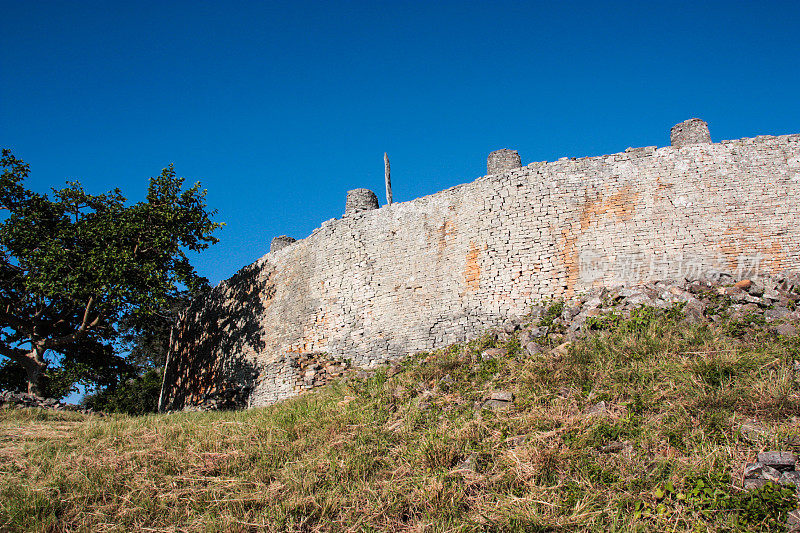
160, 407
387, 174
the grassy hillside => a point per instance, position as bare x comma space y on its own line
645, 425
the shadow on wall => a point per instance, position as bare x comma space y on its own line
225, 320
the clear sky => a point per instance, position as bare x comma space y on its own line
279, 108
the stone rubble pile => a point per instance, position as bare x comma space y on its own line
775, 467
222, 399
314, 369
708, 300
778, 467
22, 400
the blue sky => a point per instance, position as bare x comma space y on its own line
279, 108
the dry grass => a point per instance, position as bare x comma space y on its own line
380, 454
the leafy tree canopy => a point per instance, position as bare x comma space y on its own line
74, 267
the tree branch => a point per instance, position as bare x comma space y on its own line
15, 354
82, 329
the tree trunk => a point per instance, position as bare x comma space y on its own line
33, 371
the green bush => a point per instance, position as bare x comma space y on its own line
137, 396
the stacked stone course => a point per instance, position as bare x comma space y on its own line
380, 283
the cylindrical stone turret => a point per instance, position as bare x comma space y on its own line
500, 161
692, 131
280, 242
360, 200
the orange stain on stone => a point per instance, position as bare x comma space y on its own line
472, 270
757, 248
620, 205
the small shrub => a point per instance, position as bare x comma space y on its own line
553, 311
137, 396
767, 506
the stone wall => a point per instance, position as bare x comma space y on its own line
380, 283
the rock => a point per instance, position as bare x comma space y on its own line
638, 299
750, 484
743, 284
539, 332
753, 300
593, 303
770, 474
511, 325
753, 470
537, 312
533, 349
782, 461
771, 295
502, 396
616, 447
790, 478
694, 315
787, 330
492, 353
468, 465
697, 287
562, 349
752, 432
793, 521
519, 440
597, 409
495, 405
777, 313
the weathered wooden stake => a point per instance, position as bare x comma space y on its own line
387, 174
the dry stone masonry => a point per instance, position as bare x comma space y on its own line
359, 200
280, 242
500, 161
692, 131
380, 283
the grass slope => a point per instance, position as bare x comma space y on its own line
382, 454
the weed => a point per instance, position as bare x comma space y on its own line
553, 310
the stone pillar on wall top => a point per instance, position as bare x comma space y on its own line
692, 131
359, 200
500, 161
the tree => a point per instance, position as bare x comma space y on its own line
146, 342
74, 266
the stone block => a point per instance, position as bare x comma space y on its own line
782, 461
503, 396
